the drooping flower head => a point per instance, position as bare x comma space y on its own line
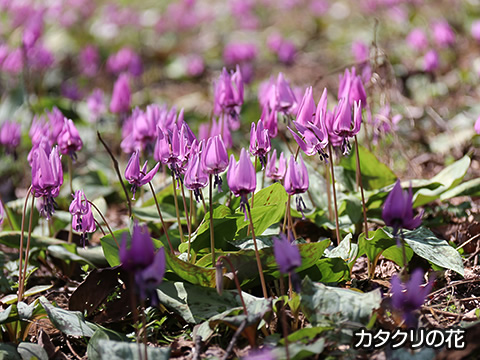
171, 149
10, 135
69, 140
259, 142
344, 125
228, 95
284, 97
215, 159
82, 219
296, 181
96, 105
273, 171
138, 177
306, 109
121, 96
351, 87
242, 179
47, 177
195, 176
397, 210
287, 257
409, 297
443, 34
89, 61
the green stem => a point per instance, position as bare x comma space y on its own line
329, 193
105, 221
27, 251
190, 232
70, 175
20, 261
180, 231
161, 217
237, 283
189, 227
257, 255
359, 172
337, 227
212, 235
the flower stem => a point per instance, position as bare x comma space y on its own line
180, 231
237, 283
117, 170
337, 227
329, 192
161, 217
105, 221
20, 261
27, 251
212, 235
70, 175
189, 227
359, 172
257, 255
6, 213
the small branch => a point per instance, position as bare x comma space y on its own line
235, 336
117, 170
105, 221
237, 283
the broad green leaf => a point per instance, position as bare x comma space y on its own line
150, 213
320, 301
329, 270
8, 352
37, 289
93, 350
189, 272
12, 240
448, 178
116, 350
425, 244
468, 188
29, 351
25, 311
110, 248
69, 322
375, 174
5, 314
66, 252
299, 351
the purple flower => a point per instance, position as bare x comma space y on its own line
260, 354
343, 124
430, 61
10, 135
259, 142
195, 65
2, 213
409, 297
288, 258
144, 129
443, 33
236, 53
475, 30
89, 61
273, 171
57, 122
351, 87
47, 177
477, 126
71, 91
195, 176
313, 139
125, 61
360, 51
215, 159
306, 109
417, 39
284, 97
33, 30
397, 210
138, 177
170, 149
96, 105
242, 178
269, 118
13, 63
147, 267
296, 181
283, 48
229, 96
121, 96
69, 140
82, 220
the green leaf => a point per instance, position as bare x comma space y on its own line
8, 352
5, 314
298, 351
330, 270
12, 240
93, 348
425, 244
66, 252
110, 248
448, 178
375, 174
320, 301
190, 272
116, 350
25, 311
150, 213
29, 351
468, 188
69, 322
37, 289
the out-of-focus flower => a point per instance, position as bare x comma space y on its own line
343, 124
82, 220
138, 177
13, 63
409, 297
144, 127
285, 50
69, 140
228, 95
417, 39
475, 30
443, 34
431, 61
89, 61
360, 51
269, 118
125, 61
237, 53
39, 58
215, 159
96, 105
47, 177
71, 91
57, 121
397, 210
284, 99
10, 135
259, 142
384, 123
33, 30
242, 179
477, 126
121, 96
260, 354
195, 65
2, 213
287, 257
140, 259
273, 171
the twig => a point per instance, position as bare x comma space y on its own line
71, 349
198, 347
235, 336
117, 170
468, 241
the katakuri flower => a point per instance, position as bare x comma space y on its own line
306, 109
195, 176
287, 257
138, 177
242, 179
443, 34
82, 219
228, 95
431, 61
121, 96
296, 181
397, 210
47, 177
69, 140
147, 267
10, 135
215, 159
259, 142
343, 124
273, 171
417, 39
409, 297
